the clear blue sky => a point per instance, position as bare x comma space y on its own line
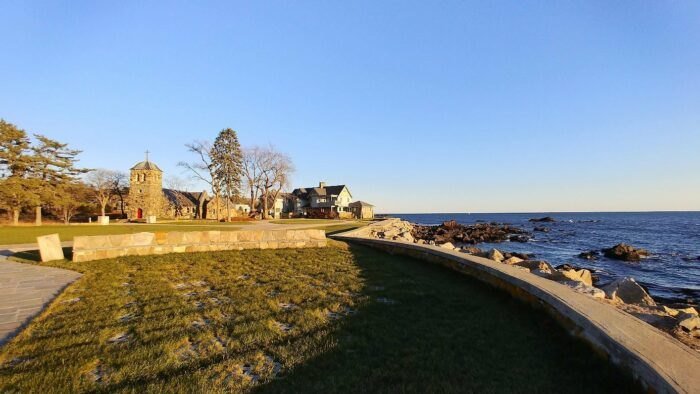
418, 106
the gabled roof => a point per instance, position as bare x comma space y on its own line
306, 192
146, 165
181, 197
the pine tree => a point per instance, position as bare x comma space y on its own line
227, 159
54, 165
17, 188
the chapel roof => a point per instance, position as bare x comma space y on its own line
146, 165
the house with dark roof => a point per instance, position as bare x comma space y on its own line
320, 201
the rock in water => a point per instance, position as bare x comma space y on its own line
625, 252
590, 255
454, 232
518, 238
628, 291
546, 219
542, 229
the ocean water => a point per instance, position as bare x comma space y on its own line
669, 236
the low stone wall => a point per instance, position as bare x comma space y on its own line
140, 244
657, 360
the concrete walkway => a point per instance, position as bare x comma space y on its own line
25, 290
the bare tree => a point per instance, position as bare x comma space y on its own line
203, 169
252, 173
120, 183
276, 169
101, 182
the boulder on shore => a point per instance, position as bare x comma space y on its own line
689, 321
583, 276
523, 256
538, 267
513, 260
473, 250
496, 255
628, 291
625, 252
447, 245
546, 219
567, 266
583, 288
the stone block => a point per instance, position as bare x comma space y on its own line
257, 236
120, 240
161, 238
50, 247
80, 243
143, 239
103, 220
191, 237
214, 237
244, 236
174, 238
151, 219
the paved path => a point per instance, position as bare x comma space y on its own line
25, 290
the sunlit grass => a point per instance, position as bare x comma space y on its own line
334, 319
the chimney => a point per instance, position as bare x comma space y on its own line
322, 184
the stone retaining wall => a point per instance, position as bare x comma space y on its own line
98, 247
657, 360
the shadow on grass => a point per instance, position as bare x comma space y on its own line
33, 256
429, 329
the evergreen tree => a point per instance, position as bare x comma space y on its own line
17, 188
54, 165
227, 159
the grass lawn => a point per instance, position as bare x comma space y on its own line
28, 234
335, 319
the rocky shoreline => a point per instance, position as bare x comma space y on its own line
678, 319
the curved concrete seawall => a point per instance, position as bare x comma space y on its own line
140, 244
656, 359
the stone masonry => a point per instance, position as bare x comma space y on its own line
140, 244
